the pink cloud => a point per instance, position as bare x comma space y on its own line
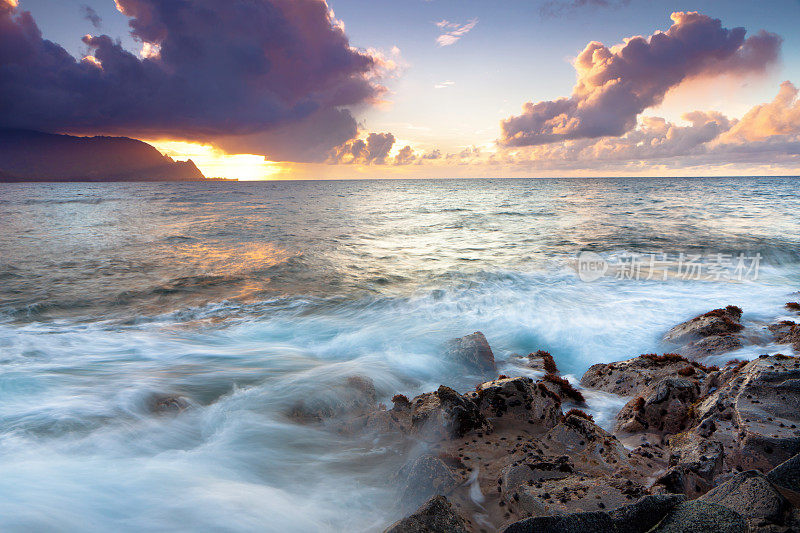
453, 32
617, 84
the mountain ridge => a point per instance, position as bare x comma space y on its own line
31, 156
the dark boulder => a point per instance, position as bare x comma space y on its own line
753, 496
435, 516
701, 517
446, 414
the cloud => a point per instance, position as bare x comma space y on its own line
780, 117
767, 134
556, 8
617, 84
405, 156
452, 31
209, 69
444, 85
370, 151
91, 15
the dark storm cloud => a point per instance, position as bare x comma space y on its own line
208, 69
616, 84
91, 15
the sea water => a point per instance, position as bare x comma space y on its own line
244, 298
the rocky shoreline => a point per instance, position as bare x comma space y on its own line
696, 448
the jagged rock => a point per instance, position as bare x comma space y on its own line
575, 493
354, 396
644, 514
717, 322
587, 444
787, 475
755, 415
638, 517
594, 522
704, 458
665, 408
473, 351
631, 377
696, 465
516, 475
701, 517
713, 345
787, 332
752, 496
445, 414
435, 516
542, 361
710, 333
427, 476
517, 401
673, 481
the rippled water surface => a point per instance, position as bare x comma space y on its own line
245, 297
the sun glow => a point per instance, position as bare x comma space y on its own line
214, 163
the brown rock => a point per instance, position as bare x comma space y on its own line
445, 414
716, 322
474, 352
517, 401
786, 332
634, 376
663, 408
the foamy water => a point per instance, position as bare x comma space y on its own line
245, 298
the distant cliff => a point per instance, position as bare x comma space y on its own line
34, 156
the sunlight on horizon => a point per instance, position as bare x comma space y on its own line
215, 163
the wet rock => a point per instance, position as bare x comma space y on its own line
701, 517
474, 352
696, 465
787, 475
755, 415
543, 361
673, 481
593, 522
563, 388
632, 377
435, 516
644, 514
589, 446
354, 396
517, 401
576, 493
664, 408
427, 476
715, 344
711, 333
165, 404
752, 496
719, 322
517, 475
638, 517
445, 414
786, 332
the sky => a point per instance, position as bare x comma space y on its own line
303, 89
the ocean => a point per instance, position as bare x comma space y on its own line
243, 298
